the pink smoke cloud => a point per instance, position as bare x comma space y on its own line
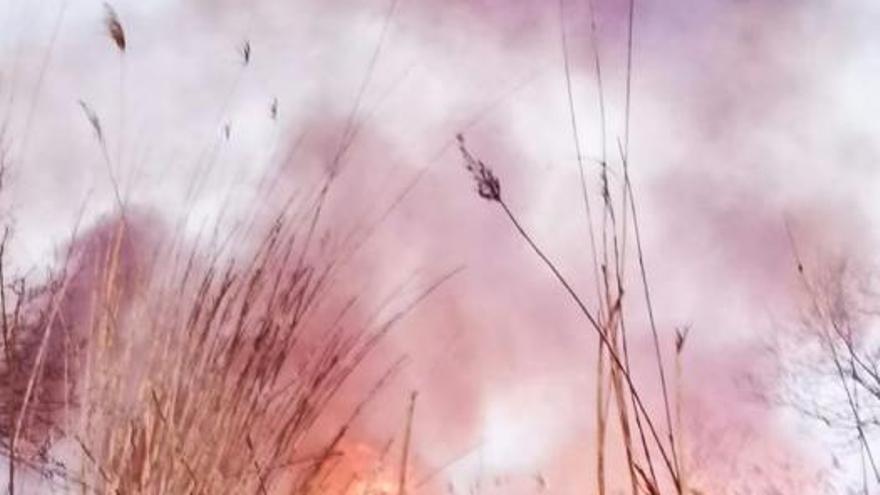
728, 141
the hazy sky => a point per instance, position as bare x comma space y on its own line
744, 114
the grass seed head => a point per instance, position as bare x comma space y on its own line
93, 119
246, 52
114, 27
488, 185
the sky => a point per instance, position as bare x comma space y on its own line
745, 116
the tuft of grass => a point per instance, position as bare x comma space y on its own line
489, 188
207, 377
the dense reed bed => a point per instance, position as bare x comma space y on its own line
149, 362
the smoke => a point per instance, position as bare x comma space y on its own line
745, 116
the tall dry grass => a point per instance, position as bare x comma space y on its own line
650, 440
205, 377
148, 364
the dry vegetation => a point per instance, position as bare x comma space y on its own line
173, 372
173, 369
237, 353
149, 364
650, 439
829, 363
